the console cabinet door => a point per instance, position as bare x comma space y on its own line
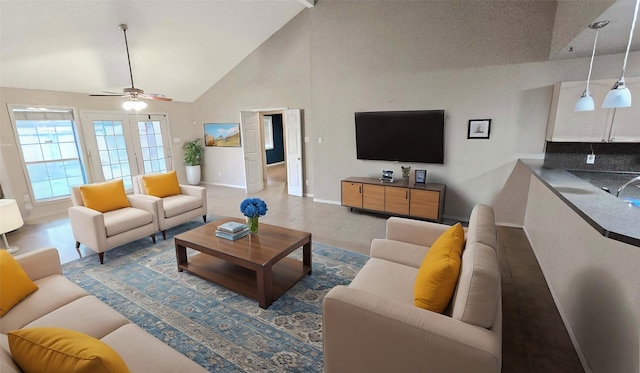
396, 200
424, 204
373, 197
351, 194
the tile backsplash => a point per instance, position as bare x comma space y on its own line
618, 157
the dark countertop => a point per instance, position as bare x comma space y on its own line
612, 217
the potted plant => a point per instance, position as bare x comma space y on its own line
193, 153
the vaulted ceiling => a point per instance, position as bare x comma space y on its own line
181, 48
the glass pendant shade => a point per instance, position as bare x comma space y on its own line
619, 96
585, 103
134, 104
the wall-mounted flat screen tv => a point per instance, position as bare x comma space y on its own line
406, 136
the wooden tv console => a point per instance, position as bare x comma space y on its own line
423, 201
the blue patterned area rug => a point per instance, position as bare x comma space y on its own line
220, 330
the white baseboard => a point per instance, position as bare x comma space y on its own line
331, 202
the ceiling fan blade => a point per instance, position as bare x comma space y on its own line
155, 96
109, 95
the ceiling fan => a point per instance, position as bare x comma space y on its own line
134, 94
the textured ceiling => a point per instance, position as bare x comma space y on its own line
181, 48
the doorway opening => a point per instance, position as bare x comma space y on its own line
272, 129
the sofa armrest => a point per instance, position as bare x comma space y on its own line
88, 227
40, 263
363, 332
416, 232
193, 190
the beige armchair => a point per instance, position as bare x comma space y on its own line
102, 230
176, 203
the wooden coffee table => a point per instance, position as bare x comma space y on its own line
255, 266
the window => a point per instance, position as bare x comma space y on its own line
50, 150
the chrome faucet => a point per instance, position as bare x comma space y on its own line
634, 180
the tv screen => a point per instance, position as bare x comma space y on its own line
407, 136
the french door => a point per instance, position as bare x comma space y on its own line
121, 145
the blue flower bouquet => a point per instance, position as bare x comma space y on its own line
253, 208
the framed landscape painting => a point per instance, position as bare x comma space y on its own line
222, 134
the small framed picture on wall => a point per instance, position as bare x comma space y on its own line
421, 176
479, 129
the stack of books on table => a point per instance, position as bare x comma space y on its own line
232, 230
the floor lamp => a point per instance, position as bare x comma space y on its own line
10, 220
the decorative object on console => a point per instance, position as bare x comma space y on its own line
193, 153
387, 176
253, 208
406, 171
11, 220
479, 129
421, 176
585, 103
620, 96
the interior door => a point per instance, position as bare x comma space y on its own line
293, 144
253, 151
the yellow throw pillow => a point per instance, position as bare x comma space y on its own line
439, 271
105, 197
162, 185
56, 350
15, 285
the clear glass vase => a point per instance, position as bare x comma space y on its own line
252, 224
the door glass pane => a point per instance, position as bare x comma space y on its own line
112, 149
153, 152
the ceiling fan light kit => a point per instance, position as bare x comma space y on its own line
134, 94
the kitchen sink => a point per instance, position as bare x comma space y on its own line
611, 181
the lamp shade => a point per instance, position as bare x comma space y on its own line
585, 103
10, 218
619, 96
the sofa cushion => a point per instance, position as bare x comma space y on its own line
179, 204
106, 196
126, 219
101, 321
478, 288
15, 285
7, 365
386, 279
438, 274
62, 350
145, 353
54, 292
161, 185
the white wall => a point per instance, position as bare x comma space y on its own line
343, 57
13, 178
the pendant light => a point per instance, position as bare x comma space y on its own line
585, 103
620, 96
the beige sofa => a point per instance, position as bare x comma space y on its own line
372, 325
60, 303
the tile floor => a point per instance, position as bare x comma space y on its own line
534, 337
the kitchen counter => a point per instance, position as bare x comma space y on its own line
612, 217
